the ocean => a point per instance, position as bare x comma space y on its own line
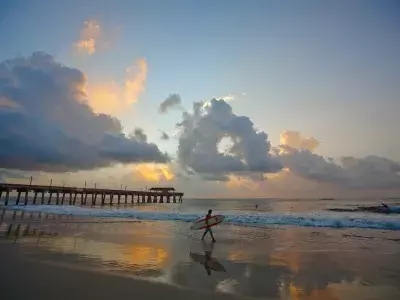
265, 249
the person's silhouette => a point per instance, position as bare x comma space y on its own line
208, 229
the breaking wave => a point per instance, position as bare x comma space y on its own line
394, 209
242, 219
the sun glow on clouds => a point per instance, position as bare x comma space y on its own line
113, 98
135, 80
89, 36
226, 98
88, 46
235, 182
8, 103
153, 172
292, 139
295, 140
277, 176
104, 98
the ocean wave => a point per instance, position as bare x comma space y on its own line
241, 219
394, 209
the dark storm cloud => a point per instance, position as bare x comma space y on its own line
47, 124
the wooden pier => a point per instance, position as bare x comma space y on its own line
61, 195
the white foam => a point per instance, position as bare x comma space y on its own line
241, 219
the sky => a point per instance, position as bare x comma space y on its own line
307, 95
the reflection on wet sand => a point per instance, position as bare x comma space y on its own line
288, 267
139, 259
292, 263
297, 293
209, 263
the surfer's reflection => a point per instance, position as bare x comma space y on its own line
209, 263
208, 253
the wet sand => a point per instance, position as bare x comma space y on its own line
22, 278
63, 257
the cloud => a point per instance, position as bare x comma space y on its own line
135, 80
105, 98
202, 131
171, 101
13, 174
308, 174
89, 36
215, 177
112, 98
228, 98
248, 157
153, 173
94, 37
164, 136
53, 128
6, 102
371, 172
242, 182
295, 140
140, 135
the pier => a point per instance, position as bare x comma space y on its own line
61, 195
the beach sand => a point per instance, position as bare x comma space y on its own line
47, 256
22, 278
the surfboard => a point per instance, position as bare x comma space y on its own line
201, 224
212, 263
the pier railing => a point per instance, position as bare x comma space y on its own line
82, 196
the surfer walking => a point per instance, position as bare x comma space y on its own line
208, 229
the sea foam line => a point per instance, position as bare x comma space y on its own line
241, 219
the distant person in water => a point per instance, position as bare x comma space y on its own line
208, 229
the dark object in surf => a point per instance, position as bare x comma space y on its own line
382, 209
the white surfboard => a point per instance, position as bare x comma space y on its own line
201, 223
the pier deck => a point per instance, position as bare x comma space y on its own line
84, 196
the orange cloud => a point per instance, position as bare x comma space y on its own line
113, 98
235, 182
135, 80
89, 36
88, 46
153, 172
281, 175
105, 98
295, 140
6, 102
